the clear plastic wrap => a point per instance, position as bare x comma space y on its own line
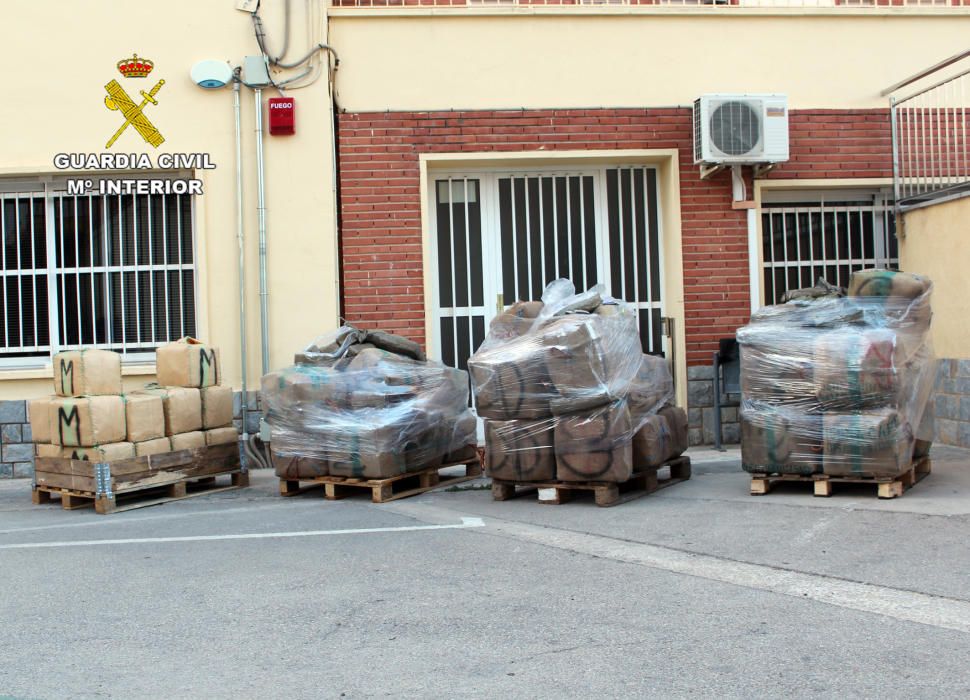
567, 393
569, 358
370, 413
838, 385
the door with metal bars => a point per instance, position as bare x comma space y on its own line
502, 237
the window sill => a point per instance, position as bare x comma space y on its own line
46, 372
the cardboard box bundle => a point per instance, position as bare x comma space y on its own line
90, 418
839, 385
567, 394
364, 405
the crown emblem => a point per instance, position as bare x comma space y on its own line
135, 67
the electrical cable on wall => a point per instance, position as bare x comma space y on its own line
333, 60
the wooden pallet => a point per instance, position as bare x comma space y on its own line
152, 479
388, 489
604, 493
886, 487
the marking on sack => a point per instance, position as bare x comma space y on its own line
465, 523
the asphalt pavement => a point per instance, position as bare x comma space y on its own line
697, 590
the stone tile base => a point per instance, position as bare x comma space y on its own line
951, 402
700, 410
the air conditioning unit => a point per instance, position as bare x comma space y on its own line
740, 129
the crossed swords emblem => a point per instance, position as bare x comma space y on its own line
118, 99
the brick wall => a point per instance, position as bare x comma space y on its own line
380, 207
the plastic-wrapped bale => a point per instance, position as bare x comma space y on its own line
520, 450
293, 467
511, 380
855, 368
591, 358
662, 437
375, 415
777, 440
595, 445
877, 442
567, 360
652, 388
515, 321
777, 365
887, 283
466, 435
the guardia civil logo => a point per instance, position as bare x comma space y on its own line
118, 100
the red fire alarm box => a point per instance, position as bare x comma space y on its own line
281, 120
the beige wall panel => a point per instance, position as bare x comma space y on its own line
937, 244
639, 58
72, 49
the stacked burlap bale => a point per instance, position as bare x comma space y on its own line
366, 404
90, 418
567, 394
839, 385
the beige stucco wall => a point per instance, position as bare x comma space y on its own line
937, 244
631, 56
61, 53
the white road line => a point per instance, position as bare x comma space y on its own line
937, 611
127, 519
465, 523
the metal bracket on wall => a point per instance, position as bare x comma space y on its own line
102, 478
709, 171
667, 329
763, 169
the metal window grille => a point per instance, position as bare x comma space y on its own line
829, 238
114, 272
502, 236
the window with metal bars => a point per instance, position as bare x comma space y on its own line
114, 272
806, 236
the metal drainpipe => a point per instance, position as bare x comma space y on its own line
261, 210
240, 237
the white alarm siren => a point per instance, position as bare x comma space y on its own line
211, 74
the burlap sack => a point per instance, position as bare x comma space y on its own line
38, 413
216, 406
855, 368
515, 321
578, 364
153, 447
520, 450
144, 417
187, 362
87, 421
100, 453
47, 450
188, 441
182, 407
779, 442
220, 436
88, 372
870, 443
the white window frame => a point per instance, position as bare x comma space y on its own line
51, 189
